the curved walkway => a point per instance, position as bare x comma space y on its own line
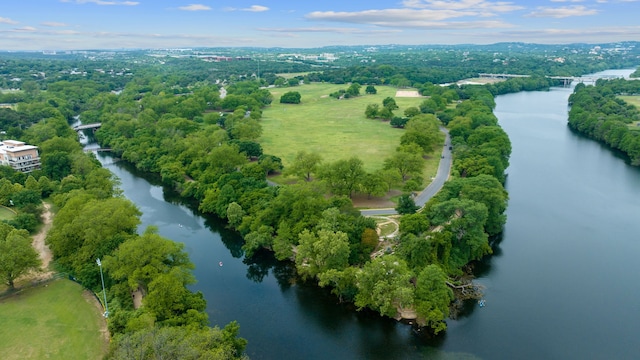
444, 169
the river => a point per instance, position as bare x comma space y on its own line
560, 285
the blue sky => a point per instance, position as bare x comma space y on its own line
115, 24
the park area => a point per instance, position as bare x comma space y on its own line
335, 129
6, 213
54, 320
635, 101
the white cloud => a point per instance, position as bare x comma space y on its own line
562, 12
53, 24
4, 20
426, 14
102, 2
490, 6
195, 7
407, 18
338, 30
252, 8
256, 8
25, 29
566, 36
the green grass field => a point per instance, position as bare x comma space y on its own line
6, 213
336, 129
292, 75
635, 101
51, 322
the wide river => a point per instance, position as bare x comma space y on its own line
560, 285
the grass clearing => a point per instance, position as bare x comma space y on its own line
336, 129
51, 321
635, 101
632, 99
292, 75
388, 228
6, 213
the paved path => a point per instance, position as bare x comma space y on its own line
442, 175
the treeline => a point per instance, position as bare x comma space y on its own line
206, 147
326, 237
598, 112
93, 221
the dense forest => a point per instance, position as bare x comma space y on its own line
599, 113
93, 221
168, 117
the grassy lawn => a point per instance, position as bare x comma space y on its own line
51, 322
6, 213
337, 129
292, 75
635, 101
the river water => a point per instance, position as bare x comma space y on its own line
560, 285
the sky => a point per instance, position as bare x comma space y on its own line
121, 24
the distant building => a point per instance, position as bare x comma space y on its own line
20, 156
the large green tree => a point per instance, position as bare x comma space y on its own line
317, 253
343, 177
384, 285
304, 165
432, 298
17, 256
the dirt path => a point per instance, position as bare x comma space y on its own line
39, 244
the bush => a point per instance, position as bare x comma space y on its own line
291, 97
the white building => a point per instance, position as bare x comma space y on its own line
20, 156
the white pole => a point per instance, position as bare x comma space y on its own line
106, 312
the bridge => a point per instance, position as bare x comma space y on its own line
566, 80
87, 150
87, 126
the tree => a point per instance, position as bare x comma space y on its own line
353, 90
304, 165
321, 252
186, 343
373, 185
407, 162
56, 165
406, 205
384, 285
432, 298
421, 130
234, 214
17, 256
371, 112
389, 103
343, 176
371, 90
411, 112
398, 122
290, 97
142, 259
415, 223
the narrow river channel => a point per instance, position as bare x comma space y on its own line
560, 285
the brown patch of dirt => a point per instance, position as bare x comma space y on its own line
41, 247
363, 201
137, 298
408, 93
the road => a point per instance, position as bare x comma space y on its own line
436, 184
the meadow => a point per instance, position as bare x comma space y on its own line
6, 213
51, 321
336, 129
635, 101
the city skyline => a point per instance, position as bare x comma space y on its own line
121, 24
